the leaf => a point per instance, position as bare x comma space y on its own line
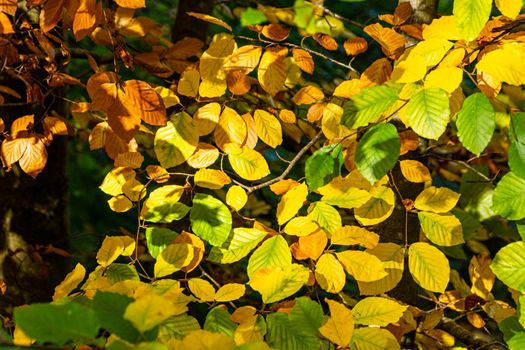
248, 164
517, 158
274, 252
178, 327
272, 69
268, 128
476, 122
49, 16
442, 229
392, 43
202, 289
377, 151
471, 16
329, 274
340, 326
210, 19
70, 282
157, 239
286, 334
300, 226
325, 215
373, 338
378, 208
173, 258
323, 165
368, 105
219, 320
210, 219
446, 78
509, 197
308, 95
275, 31
177, 141
353, 235
133, 4
361, 265
204, 156
146, 102
206, 118
251, 16
236, 197
326, 41
121, 272
351, 198
509, 8
189, 83
114, 246
58, 324
392, 256
414, 171
308, 314
504, 64
428, 112
509, 265
311, 246
375, 311
429, 267
291, 202
211, 178
163, 205
355, 46
148, 311
277, 283
231, 131
244, 240
230, 292
304, 60
436, 199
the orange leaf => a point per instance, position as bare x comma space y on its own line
102, 90
326, 41
132, 4
393, 43
157, 173
409, 141
275, 32
238, 82
50, 14
378, 73
184, 48
304, 60
402, 13
85, 19
355, 46
145, 102
55, 126
129, 160
22, 124
28, 150
5, 24
103, 136
8, 7
210, 19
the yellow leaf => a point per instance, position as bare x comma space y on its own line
331, 123
308, 95
410, 70
362, 265
349, 199
114, 246
236, 197
329, 273
287, 116
444, 27
378, 208
431, 50
134, 190
248, 164
481, 275
129, 159
204, 156
354, 235
173, 259
375, 311
436, 199
212, 88
177, 141
206, 118
204, 340
244, 59
149, 311
251, 132
348, 88
392, 256
414, 171
301, 226
447, 78
168, 96
211, 178
268, 128
230, 131
429, 267
163, 195
291, 202
120, 204
202, 289
506, 64
340, 326
272, 69
115, 179
210, 19
70, 282
325, 215
304, 60
198, 249
509, 8
21, 339
277, 283
375, 338
283, 186
230, 292
442, 229
189, 83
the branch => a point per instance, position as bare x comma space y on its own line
287, 171
468, 338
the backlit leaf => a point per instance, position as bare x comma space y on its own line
414, 171
177, 141
471, 16
374, 311
274, 252
248, 163
340, 326
441, 229
509, 200
509, 265
210, 219
268, 128
329, 273
291, 202
428, 112
361, 265
429, 266
436, 199
277, 283
236, 197
476, 122
368, 105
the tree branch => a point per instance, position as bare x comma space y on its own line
468, 338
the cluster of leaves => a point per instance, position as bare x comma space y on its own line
311, 273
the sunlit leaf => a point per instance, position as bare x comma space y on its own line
429, 266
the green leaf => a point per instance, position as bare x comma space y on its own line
304, 12
428, 112
274, 252
251, 16
375, 311
509, 197
373, 339
178, 327
377, 151
324, 165
429, 267
517, 127
517, 158
121, 272
219, 320
176, 142
284, 334
441, 229
509, 265
163, 205
308, 313
277, 283
58, 324
210, 219
471, 16
158, 238
325, 215
476, 122
367, 106
244, 240
110, 308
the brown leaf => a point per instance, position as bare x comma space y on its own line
34, 158
409, 141
8, 6
326, 41
414, 30
142, 100
22, 124
103, 136
55, 126
238, 82
402, 13
304, 60
377, 73
102, 90
85, 19
392, 43
129, 160
133, 4
275, 32
184, 48
157, 173
51, 14
355, 46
